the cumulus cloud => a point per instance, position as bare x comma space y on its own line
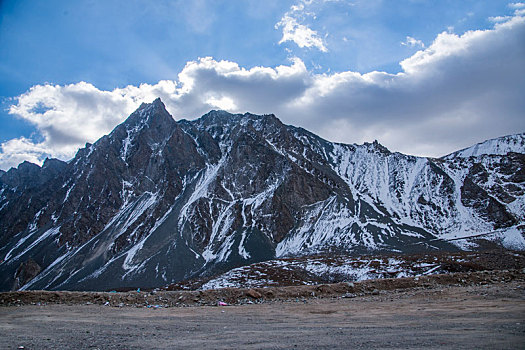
498, 19
297, 32
413, 42
517, 5
16, 151
459, 90
519, 10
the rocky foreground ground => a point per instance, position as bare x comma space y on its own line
473, 310
239, 296
478, 303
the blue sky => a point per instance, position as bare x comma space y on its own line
72, 70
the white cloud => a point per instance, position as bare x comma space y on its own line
224, 103
498, 19
460, 90
16, 151
519, 10
517, 5
297, 32
412, 42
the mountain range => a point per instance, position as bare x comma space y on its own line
159, 201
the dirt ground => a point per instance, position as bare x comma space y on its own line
291, 271
476, 311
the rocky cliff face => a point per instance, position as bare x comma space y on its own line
158, 201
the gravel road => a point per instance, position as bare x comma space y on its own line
490, 316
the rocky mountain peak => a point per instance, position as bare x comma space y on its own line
156, 103
151, 115
376, 147
53, 163
23, 175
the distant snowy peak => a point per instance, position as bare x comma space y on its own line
498, 146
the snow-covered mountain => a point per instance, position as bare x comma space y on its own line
499, 146
158, 201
